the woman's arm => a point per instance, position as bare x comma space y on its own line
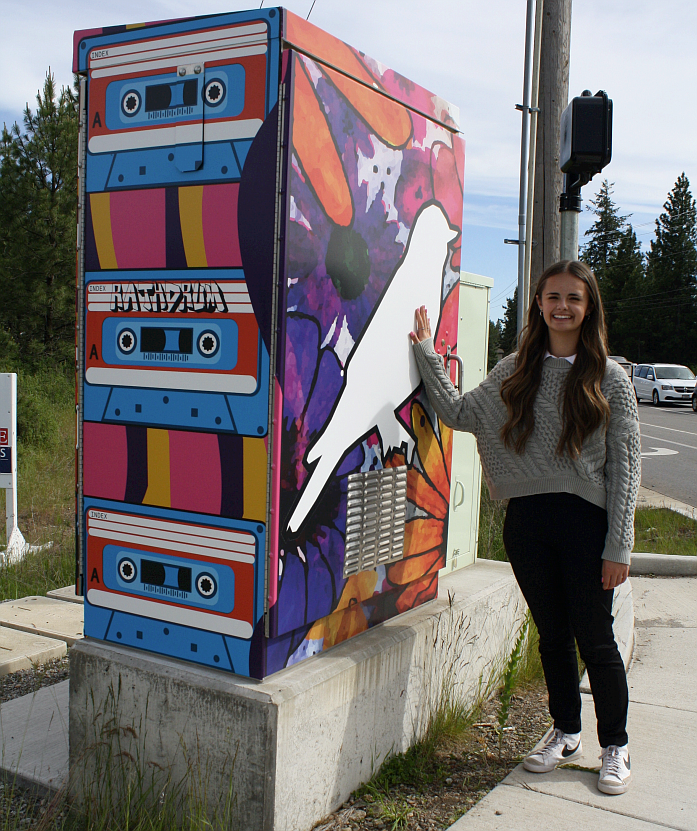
622, 473
455, 410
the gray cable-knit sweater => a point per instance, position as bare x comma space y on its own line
608, 469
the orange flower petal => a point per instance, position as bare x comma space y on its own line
421, 535
358, 587
446, 438
430, 451
420, 492
406, 571
350, 622
388, 119
316, 151
419, 592
395, 458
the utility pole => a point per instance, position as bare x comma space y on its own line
553, 96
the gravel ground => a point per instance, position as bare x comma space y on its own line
26, 681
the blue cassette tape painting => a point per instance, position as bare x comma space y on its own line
175, 374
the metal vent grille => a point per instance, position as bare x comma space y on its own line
375, 517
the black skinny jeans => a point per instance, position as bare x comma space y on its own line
554, 542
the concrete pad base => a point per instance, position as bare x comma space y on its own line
294, 746
34, 738
44, 616
20, 650
66, 593
663, 602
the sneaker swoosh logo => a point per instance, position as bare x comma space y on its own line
567, 751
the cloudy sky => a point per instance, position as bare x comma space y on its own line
642, 53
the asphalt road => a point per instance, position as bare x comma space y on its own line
669, 450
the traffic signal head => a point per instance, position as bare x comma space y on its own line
585, 146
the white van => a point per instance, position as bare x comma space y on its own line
663, 382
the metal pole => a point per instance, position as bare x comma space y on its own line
570, 208
532, 155
569, 235
524, 149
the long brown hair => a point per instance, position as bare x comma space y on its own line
585, 407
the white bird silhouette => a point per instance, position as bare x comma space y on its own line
381, 371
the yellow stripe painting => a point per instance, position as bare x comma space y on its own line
158, 492
255, 462
191, 218
101, 223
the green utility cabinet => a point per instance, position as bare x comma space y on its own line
466, 477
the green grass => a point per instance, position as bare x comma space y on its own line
491, 516
662, 531
656, 530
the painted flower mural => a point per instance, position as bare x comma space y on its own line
364, 173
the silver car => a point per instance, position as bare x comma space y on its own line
663, 382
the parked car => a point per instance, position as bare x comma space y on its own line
628, 366
694, 400
664, 382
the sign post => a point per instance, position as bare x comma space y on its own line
16, 545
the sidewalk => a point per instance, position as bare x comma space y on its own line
662, 726
34, 728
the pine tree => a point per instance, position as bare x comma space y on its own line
672, 278
38, 195
605, 251
509, 331
625, 307
604, 234
495, 330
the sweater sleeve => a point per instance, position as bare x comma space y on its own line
455, 410
465, 412
622, 467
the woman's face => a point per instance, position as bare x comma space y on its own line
565, 302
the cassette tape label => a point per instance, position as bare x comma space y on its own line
163, 297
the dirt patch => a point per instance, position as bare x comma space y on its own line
461, 773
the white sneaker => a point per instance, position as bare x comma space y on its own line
558, 749
615, 771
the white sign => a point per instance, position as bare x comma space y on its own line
16, 546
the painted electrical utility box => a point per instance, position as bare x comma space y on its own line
260, 475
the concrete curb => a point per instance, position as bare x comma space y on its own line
663, 565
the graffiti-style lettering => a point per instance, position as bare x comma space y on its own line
161, 298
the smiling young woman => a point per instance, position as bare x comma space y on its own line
558, 434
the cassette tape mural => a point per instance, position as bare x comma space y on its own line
261, 475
